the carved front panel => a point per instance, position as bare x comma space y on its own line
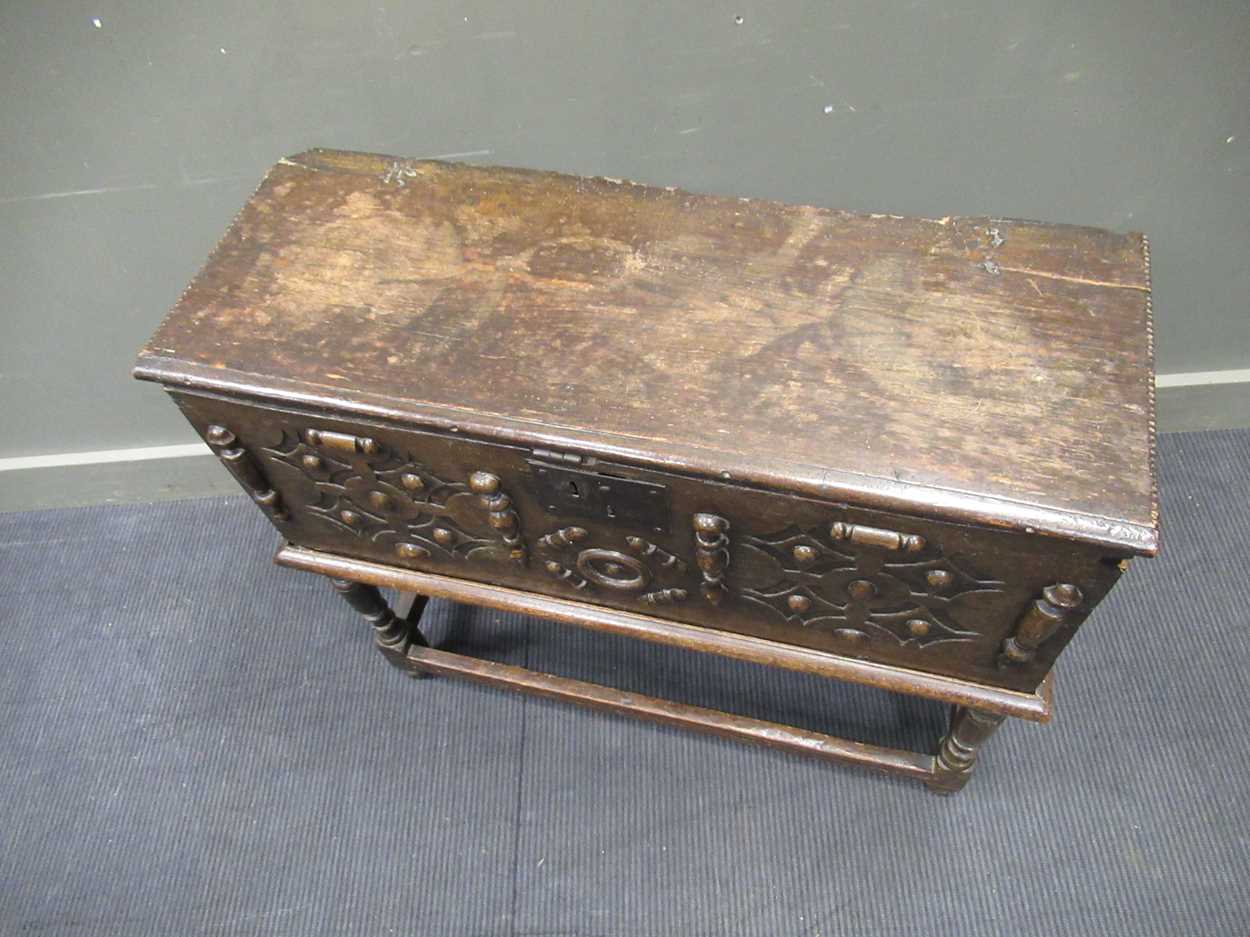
862, 592
379, 494
971, 602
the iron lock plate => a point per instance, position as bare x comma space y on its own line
601, 496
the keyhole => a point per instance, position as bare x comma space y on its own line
574, 490
611, 510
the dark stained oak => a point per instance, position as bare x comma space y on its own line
957, 752
908, 453
1033, 707
393, 629
682, 715
903, 590
964, 366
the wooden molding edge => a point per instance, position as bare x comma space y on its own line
1035, 707
868, 491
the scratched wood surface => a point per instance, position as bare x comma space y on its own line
1007, 359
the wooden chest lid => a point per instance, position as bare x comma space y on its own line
992, 371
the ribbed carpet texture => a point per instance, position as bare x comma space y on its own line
193, 741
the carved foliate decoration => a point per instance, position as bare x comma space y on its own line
634, 566
859, 582
392, 499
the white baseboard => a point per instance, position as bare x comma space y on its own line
1203, 378
102, 456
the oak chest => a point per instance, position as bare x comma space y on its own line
914, 453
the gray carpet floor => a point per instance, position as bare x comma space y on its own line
193, 741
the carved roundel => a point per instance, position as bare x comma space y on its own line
613, 570
650, 572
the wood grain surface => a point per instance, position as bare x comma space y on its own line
952, 361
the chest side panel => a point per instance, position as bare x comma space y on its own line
963, 601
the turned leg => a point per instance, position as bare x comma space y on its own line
957, 754
393, 630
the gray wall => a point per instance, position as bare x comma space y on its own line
128, 147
